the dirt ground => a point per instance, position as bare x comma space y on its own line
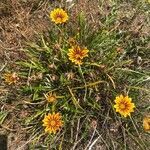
20, 21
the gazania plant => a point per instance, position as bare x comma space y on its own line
124, 105
11, 78
146, 123
50, 97
58, 16
84, 64
52, 122
76, 54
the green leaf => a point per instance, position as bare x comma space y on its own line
3, 116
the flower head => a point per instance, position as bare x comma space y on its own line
146, 123
58, 16
76, 54
72, 42
11, 78
124, 105
52, 122
50, 97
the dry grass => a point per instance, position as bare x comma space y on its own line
20, 22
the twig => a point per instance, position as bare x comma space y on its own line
91, 140
3, 66
20, 148
12, 130
93, 143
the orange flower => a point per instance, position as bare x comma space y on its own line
124, 105
52, 122
146, 123
58, 16
11, 78
76, 54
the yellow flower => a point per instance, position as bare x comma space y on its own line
76, 54
11, 78
58, 16
124, 105
52, 122
146, 123
50, 97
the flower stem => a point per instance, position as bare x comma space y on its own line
81, 72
